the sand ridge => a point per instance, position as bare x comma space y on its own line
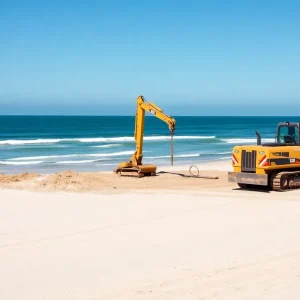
110, 182
18, 177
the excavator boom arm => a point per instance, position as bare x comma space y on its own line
142, 107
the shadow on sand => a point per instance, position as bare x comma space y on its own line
257, 189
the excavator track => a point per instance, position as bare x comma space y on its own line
138, 172
285, 181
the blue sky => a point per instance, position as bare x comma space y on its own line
189, 57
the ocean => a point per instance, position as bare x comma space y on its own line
48, 144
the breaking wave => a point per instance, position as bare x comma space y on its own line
245, 141
20, 163
71, 162
106, 146
175, 156
101, 140
72, 155
29, 142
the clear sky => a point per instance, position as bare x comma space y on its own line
189, 57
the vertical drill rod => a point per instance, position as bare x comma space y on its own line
172, 148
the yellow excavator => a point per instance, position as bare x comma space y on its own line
135, 166
274, 165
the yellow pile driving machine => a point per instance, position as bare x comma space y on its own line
275, 165
135, 166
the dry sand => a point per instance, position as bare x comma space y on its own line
174, 178
166, 237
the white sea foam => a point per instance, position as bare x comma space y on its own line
146, 138
72, 155
106, 146
27, 142
19, 163
42, 157
75, 161
175, 156
15, 163
221, 153
245, 141
110, 154
214, 153
101, 139
67, 162
225, 157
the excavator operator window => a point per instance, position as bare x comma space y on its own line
288, 135
296, 135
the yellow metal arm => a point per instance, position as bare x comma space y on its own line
135, 164
142, 106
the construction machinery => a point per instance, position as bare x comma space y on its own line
135, 166
274, 165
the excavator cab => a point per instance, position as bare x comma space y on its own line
288, 133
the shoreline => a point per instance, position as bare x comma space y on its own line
213, 165
217, 165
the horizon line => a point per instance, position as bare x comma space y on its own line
78, 115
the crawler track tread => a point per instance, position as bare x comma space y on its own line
280, 181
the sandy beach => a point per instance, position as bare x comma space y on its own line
100, 236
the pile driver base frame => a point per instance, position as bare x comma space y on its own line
138, 171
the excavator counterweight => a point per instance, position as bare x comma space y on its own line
134, 166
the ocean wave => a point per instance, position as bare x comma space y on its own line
192, 155
106, 146
104, 155
225, 157
222, 153
71, 162
41, 157
72, 155
111, 154
146, 138
75, 161
15, 163
175, 156
101, 139
214, 153
29, 142
245, 141
179, 137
